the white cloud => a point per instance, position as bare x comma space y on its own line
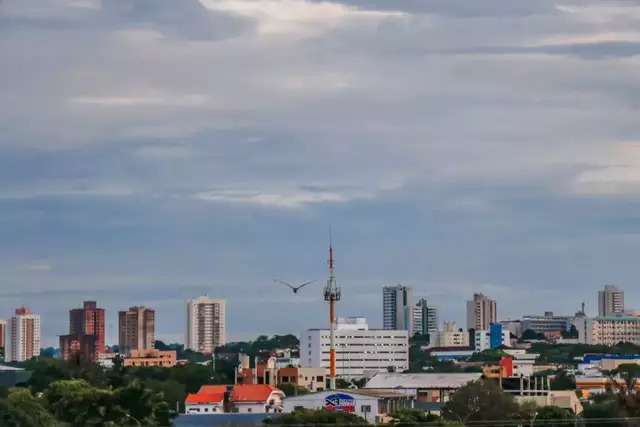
284, 199
190, 100
36, 266
300, 17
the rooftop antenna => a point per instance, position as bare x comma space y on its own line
332, 295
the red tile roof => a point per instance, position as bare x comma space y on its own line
207, 394
252, 392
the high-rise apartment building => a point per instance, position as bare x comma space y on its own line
23, 336
3, 332
481, 312
397, 308
425, 318
86, 338
136, 329
205, 324
610, 301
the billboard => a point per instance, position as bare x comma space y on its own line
340, 402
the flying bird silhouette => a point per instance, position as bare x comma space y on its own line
295, 289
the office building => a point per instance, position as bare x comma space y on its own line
610, 301
425, 318
449, 336
136, 329
548, 323
86, 338
609, 330
481, 312
205, 324
23, 336
397, 308
360, 351
495, 337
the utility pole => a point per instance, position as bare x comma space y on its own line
332, 295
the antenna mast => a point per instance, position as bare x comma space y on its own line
331, 295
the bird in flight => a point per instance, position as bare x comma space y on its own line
295, 289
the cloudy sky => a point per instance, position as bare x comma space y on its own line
155, 150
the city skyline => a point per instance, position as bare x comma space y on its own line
525, 316
212, 146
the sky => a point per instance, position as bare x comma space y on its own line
152, 151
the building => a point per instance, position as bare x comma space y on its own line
425, 318
397, 308
548, 323
136, 329
481, 312
449, 336
272, 373
609, 330
23, 336
150, 357
357, 402
493, 338
3, 333
239, 398
11, 376
86, 338
514, 326
610, 301
205, 324
360, 351
430, 391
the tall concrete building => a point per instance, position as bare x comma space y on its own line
481, 312
425, 318
610, 301
3, 332
136, 329
205, 324
397, 308
23, 336
86, 338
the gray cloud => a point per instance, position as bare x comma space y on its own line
150, 151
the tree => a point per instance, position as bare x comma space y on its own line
563, 381
532, 335
315, 416
21, 409
410, 417
553, 416
292, 389
480, 400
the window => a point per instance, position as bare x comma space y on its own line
249, 409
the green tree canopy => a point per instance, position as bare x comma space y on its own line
480, 400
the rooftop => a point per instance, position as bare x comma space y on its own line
398, 380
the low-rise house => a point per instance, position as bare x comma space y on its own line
239, 398
208, 400
256, 398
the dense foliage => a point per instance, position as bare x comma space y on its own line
567, 353
312, 417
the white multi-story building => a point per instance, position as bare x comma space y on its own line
397, 308
483, 340
449, 336
610, 301
609, 330
360, 351
205, 324
23, 336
